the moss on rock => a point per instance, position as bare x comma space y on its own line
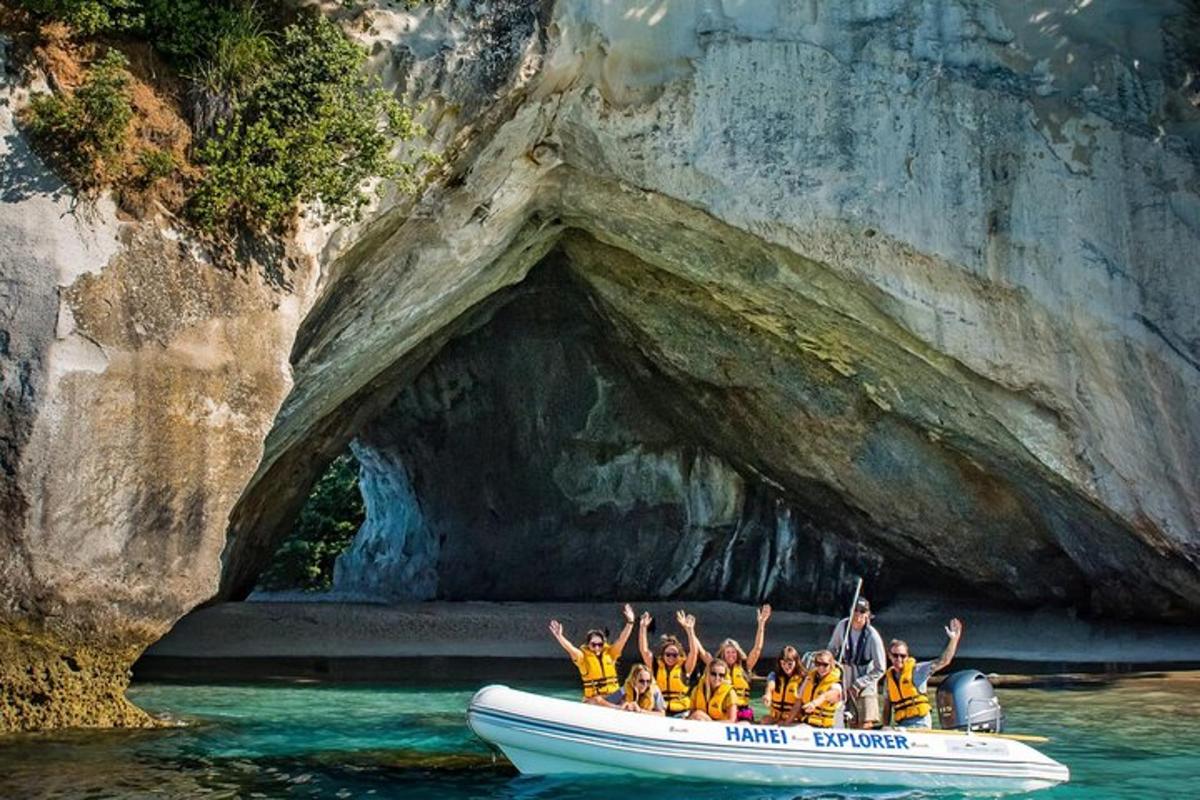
47, 682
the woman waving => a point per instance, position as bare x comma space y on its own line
597, 659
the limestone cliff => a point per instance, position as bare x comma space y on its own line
138, 384
918, 277
925, 269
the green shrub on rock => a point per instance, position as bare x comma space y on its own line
239, 53
155, 164
82, 133
185, 30
92, 16
181, 29
313, 130
283, 115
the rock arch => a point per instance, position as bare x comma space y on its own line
927, 267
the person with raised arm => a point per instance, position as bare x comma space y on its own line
673, 665
740, 664
596, 659
907, 702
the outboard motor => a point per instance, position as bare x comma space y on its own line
967, 701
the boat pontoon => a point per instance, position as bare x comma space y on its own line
545, 735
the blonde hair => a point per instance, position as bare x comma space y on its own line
646, 699
737, 647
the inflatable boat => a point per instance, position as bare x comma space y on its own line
544, 735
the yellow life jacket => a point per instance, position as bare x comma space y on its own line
599, 674
906, 701
741, 684
673, 685
716, 703
646, 701
822, 717
783, 693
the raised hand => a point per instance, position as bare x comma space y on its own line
764, 613
954, 629
628, 612
645, 620
556, 628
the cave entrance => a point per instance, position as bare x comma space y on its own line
540, 455
667, 413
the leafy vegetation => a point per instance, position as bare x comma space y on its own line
187, 30
327, 524
239, 52
312, 130
90, 17
81, 134
155, 164
281, 106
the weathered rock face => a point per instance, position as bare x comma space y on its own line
922, 273
138, 384
583, 491
927, 269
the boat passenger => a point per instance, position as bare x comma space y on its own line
783, 685
862, 661
907, 680
714, 698
741, 665
673, 665
596, 659
640, 693
819, 695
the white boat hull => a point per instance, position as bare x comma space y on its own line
547, 736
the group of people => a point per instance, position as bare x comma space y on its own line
843, 677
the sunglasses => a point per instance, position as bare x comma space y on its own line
671, 654
823, 663
643, 682
898, 655
595, 644
716, 674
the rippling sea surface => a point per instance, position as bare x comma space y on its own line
1135, 738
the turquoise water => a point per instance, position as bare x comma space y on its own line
1131, 739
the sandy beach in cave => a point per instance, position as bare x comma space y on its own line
519, 629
